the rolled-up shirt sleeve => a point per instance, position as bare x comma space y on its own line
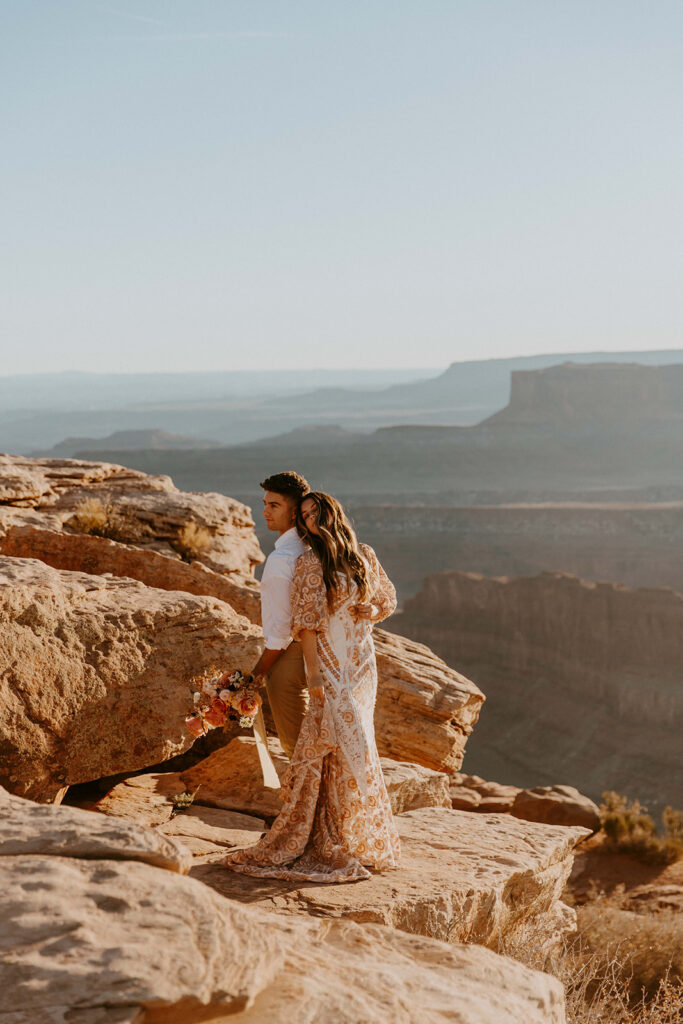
275, 606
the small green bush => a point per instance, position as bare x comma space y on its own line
630, 829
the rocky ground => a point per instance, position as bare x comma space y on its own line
118, 910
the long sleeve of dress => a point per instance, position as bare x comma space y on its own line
309, 597
383, 592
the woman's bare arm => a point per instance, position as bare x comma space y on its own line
314, 679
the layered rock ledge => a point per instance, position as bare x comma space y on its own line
39, 499
463, 878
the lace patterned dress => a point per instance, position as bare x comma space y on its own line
336, 819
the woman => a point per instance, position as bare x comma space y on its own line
336, 818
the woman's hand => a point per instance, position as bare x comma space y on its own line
363, 611
316, 688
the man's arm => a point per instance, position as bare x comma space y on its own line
266, 662
276, 615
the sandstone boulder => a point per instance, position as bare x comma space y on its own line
463, 878
425, 710
29, 828
557, 805
411, 786
472, 793
88, 940
231, 777
464, 799
94, 672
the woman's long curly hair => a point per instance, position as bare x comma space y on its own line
336, 546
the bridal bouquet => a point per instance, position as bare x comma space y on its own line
216, 701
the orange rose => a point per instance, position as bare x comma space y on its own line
248, 705
217, 713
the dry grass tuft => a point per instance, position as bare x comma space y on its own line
618, 968
193, 540
630, 829
106, 520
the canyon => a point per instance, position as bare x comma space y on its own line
583, 679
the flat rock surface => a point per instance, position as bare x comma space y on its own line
94, 672
463, 878
94, 942
205, 830
146, 798
231, 777
39, 829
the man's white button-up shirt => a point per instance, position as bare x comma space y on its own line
276, 585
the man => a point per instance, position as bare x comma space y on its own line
282, 661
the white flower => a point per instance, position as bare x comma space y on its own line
246, 722
225, 695
208, 687
196, 696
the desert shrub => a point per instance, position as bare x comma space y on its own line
193, 540
106, 520
649, 946
618, 968
630, 829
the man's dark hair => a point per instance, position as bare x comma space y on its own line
292, 485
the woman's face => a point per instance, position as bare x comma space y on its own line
309, 514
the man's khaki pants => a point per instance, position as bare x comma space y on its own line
287, 695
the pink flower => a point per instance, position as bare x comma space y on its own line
195, 725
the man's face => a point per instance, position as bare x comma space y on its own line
279, 511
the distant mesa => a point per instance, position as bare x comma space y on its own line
601, 393
128, 440
310, 436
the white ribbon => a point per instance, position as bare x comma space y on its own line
270, 776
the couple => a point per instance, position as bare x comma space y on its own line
322, 591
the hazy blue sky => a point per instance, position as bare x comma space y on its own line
198, 184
